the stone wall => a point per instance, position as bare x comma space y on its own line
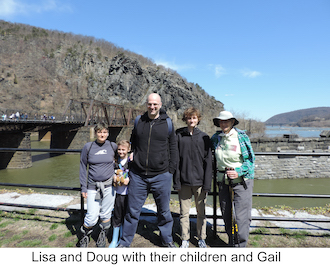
290, 144
277, 167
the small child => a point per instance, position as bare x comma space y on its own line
121, 181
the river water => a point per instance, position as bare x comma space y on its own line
303, 132
64, 171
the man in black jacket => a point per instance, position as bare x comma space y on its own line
154, 162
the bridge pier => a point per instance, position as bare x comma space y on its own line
113, 133
69, 139
64, 135
15, 160
44, 135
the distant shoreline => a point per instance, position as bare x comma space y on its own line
303, 132
295, 125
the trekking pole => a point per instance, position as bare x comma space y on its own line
234, 227
214, 194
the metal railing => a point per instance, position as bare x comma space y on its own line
214, 193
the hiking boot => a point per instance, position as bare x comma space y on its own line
101, 240
84, 241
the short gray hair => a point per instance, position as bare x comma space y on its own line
101, 126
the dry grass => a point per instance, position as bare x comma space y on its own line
45, 228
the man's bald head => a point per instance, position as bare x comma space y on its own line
154, 103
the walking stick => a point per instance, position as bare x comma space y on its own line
214, 194
234, 227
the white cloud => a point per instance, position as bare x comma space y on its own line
219, 71
250, 73
11, 8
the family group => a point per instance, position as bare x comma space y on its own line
116, 178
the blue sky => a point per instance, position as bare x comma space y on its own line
259, 57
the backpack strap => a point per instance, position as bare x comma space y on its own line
89, 150
169, 125
92, 145
136, 120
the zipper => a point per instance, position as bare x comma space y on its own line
149, 138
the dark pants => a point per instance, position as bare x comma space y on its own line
119, 210
139, 187
243, 207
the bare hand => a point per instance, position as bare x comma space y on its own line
126, 181
84, 194
232, 174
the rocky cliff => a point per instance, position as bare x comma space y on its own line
40, 70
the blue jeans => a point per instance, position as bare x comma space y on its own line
139, 187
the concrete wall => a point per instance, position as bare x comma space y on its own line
275, 167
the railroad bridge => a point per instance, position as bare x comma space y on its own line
68, 130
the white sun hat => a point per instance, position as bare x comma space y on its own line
224, 115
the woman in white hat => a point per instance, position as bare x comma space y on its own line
235, 173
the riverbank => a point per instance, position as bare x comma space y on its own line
45, 228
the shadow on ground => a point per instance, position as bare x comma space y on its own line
147, 234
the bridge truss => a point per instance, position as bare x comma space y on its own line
93, 111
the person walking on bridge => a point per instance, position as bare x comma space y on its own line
96, 177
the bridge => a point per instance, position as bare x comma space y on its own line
69, 130
76, 112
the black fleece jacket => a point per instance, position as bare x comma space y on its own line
155, 150
194, 167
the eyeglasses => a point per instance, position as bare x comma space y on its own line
153, 104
